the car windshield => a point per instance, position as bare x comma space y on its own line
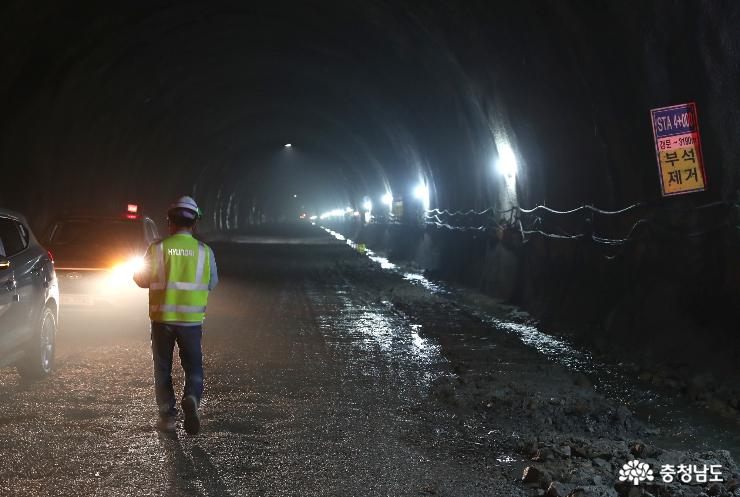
97, 232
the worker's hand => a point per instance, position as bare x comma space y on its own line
142, 275
141, 279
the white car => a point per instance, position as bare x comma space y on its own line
96, 258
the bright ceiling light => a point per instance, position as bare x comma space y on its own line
335, 213
506, 163
421, 192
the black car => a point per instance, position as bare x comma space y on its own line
96, 258
29, 299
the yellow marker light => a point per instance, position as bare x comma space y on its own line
124, 272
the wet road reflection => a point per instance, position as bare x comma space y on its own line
313, 387
681, 425
321, 379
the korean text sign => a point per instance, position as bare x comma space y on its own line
678, 149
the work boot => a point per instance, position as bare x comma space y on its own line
166, 424
192, 418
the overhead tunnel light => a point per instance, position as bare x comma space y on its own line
367, 206
334, 213
506, 163
288, 145
421, 192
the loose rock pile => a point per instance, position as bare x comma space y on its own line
566, 438
572, 440
576, 467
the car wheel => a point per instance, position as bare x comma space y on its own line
39, 358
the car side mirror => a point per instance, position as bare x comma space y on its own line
4, 263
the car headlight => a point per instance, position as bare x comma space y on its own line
124, 272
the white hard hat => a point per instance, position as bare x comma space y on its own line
186, 205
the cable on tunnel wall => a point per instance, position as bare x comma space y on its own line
527, 223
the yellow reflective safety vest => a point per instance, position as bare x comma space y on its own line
180, 272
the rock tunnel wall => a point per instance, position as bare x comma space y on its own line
139, 96
108, 103
659, 302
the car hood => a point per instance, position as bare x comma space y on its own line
90, 256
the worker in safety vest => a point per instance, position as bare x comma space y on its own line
180, 272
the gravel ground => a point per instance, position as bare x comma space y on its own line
324, 376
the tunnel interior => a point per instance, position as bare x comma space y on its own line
146, 100
141, 102
437, 254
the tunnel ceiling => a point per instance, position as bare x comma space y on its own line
106, 103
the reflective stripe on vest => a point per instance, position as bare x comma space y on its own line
177, 308
201, 263
160, 266
178, 285
180, 272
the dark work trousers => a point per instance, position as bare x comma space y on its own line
164, 337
